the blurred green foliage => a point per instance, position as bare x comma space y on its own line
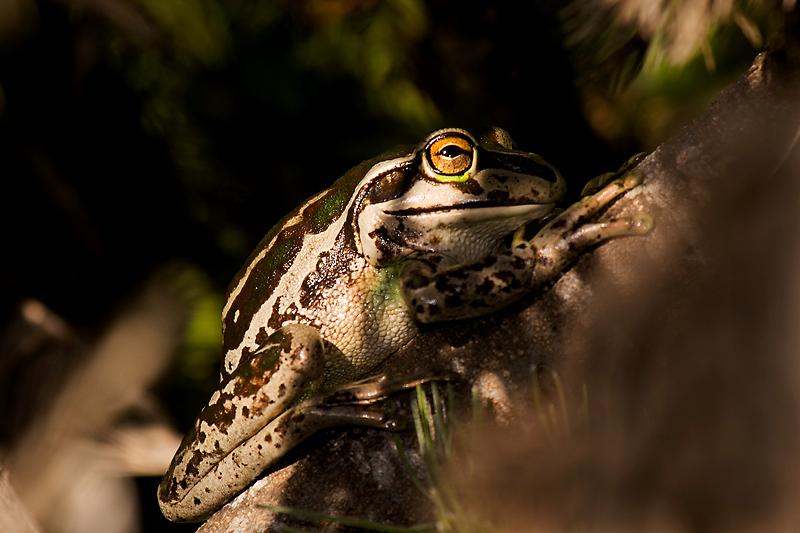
374, 46
203, 334
664, 95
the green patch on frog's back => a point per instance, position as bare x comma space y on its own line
329, 208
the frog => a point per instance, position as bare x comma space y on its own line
416, 238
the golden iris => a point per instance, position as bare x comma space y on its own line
450, 155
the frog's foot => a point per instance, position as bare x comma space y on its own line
321, 416
595, 184
570, 233
355, 404
377, 388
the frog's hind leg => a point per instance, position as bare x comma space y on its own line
253, 456
259, 393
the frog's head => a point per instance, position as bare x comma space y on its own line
454, 196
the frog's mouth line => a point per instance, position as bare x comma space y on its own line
480, 204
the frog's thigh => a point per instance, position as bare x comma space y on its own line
203, 475
249, 460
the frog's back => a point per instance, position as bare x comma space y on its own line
275, 270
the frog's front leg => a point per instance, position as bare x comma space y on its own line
571, 232
239, 433
500, 279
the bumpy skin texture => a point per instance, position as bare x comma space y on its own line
344, 282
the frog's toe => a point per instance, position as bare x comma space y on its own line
642, 223
379, 417
597, 183
597, 232
632, 180
380, 387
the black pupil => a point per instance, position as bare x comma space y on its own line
451, 151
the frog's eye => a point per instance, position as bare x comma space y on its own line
451, 155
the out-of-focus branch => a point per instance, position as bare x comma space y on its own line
14, 516
75, 445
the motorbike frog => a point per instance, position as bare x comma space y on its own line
422, 235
